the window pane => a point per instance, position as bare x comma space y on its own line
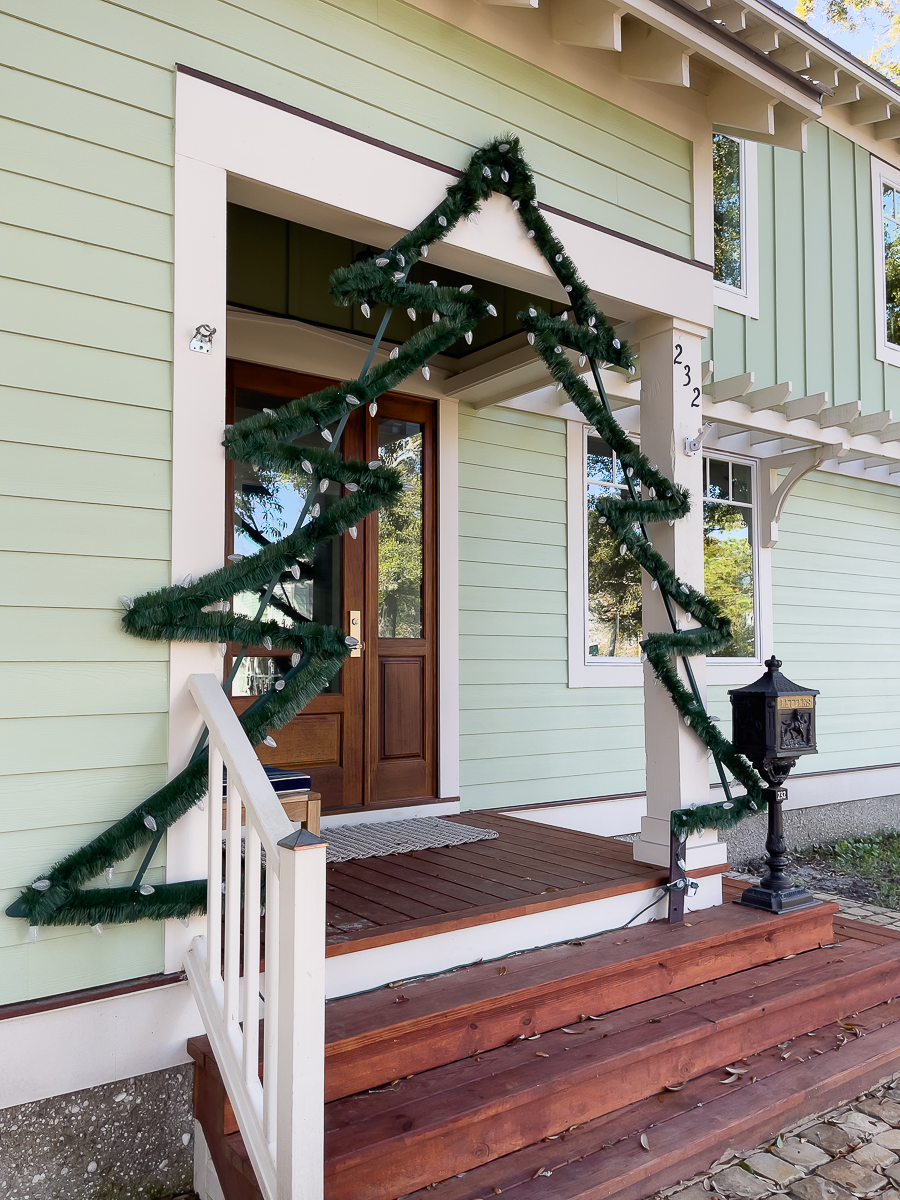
727, 209
256, 675
717, 488
887, 201
400, 554
267, 506
728, 571
599, 460
740, 482
614, 590
892, 280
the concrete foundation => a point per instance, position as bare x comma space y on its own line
123, 1141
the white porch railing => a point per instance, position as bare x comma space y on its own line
281, 1118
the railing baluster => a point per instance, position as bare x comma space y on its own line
250, 984
215, 873
232, 905
270, 1027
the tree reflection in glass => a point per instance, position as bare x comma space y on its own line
400, 547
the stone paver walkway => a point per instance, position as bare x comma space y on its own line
849, 1152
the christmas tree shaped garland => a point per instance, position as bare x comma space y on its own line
201, 611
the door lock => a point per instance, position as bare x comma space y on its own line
356, 631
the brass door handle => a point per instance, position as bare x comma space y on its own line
356, 631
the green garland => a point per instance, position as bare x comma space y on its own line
199, 611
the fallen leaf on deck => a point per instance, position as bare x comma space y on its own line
731, 1079
532, 1036
787, 1054
401, 999
787, 956
645, 1141
564, 1030
397, 983
549, 889
575, 943
503, 970
540, 1054
674, 1087
601, 1017
655, 1021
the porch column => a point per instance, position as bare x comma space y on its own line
677, 765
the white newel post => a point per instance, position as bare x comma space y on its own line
677, 764
300, 1130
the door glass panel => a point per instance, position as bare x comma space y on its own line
400, 548
267, 505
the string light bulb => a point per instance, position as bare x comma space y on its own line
150, 822
146, 889
270, 742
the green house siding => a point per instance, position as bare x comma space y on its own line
817, 314
86, 205
525, 736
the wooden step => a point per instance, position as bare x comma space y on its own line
402, 1030
687, 1131
389, 1142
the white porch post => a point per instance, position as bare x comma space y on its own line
677, 765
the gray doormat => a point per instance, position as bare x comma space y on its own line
379, 838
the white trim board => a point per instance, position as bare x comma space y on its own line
745, 300
86, 1045
374, 816
882, 172
362, 970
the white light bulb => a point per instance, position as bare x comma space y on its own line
532, 312
491, 310
395, 352
235, 558
617, 343
486, 172
295, 659
326, 434
466, 287
352, 531
469, 338
442, 221
126, 602
295, 571
426, 371
373, 409
270, 412
433, 282
531, 339
603, 520
382, 262
376, 462
33, 932
146, 889
108, 874
622, 548
307, 466
424, 251
201, 805
516, 205
279, 685
267, 642
323, 485
351, 641
581, 360
559, 258
187, 581
504, 175
530, 233
315, 510
41, 885
351, 399
150, 823
270, 741
401, 260
687, 720
411, 313
97, 929
435, 316
365, 310
352, 487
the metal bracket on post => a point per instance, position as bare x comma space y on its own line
693, 445
677, 875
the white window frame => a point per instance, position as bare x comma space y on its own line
587, 672
745, 300
882, 173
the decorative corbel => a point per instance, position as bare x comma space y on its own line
772, 500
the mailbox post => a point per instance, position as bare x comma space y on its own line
773, 724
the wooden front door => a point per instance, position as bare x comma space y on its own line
370, 739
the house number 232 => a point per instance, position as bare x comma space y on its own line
687, 382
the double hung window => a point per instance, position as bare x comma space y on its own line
613, 579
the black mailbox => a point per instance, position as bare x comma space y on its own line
774, 720
773, 724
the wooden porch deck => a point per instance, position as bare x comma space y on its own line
529, 868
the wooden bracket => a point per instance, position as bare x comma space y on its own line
593, 23
772, 500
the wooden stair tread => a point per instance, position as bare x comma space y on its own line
441, 1122
370, 1037
689, 1129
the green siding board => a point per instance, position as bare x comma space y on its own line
108, 175
476, 501
491, 573
107, 793
501, 528
789, 275
88, 688
70, 370
760, 335
52, 527
43, 419
512, 625
497, 553
728, 351
497, 697
474, 647
510, 600
80, 743
844, 266
47, 104
549, 443
35, 311
873, 374
53, 473
89, 582
528, 462
589, 717
817, 217
74, 266
42, 635
496, 480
